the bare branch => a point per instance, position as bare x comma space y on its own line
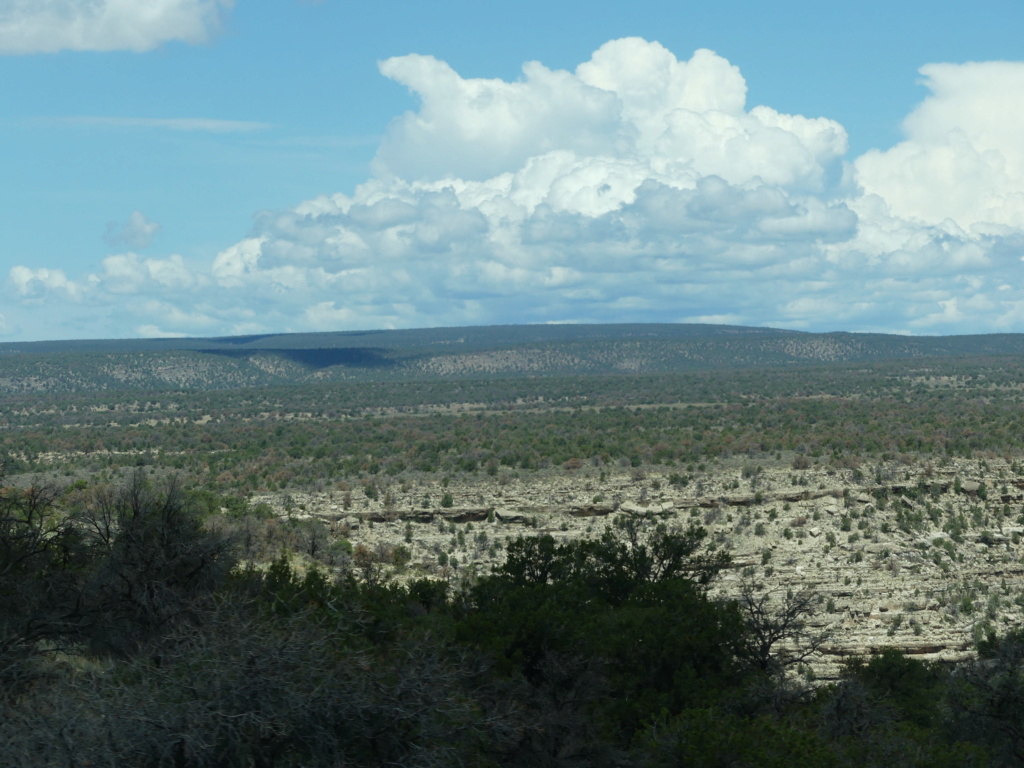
779, 634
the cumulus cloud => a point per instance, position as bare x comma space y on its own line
638, 187
48, 26
963, 159
126, 273
35, 284
634, 105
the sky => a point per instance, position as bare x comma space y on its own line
228, 167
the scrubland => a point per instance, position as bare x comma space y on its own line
755, 566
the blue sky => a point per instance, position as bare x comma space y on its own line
203, 167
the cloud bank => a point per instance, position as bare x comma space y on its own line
48, 26
639, 187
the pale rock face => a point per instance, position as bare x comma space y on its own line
879, 585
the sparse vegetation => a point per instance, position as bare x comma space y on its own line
449, 554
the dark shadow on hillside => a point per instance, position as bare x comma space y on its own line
356, 357
239, 340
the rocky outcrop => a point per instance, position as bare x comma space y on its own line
910, 563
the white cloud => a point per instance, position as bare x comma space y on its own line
138, 232
36, 284
639, 187
149, 331
633, 106
963, 158
714, 319
126, 273
234, 263
479, 128
48, 26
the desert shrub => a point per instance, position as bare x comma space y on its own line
153, 557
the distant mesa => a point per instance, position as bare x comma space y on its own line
481, 352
